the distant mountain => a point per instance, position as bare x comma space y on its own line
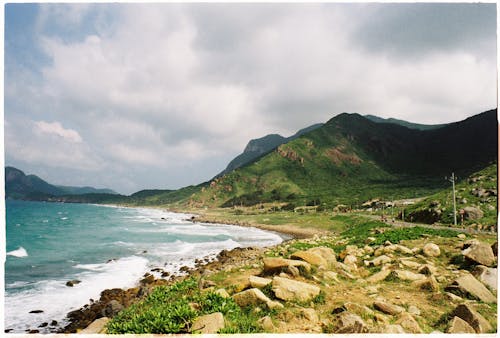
261, 146
404, 123
21, 186
351, 158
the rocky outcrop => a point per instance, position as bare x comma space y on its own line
350, 323
408, 323
208, 324
310, 257
255, 297
469, 286
288, 289
472, 317
259, 282
480, 253
458, 325
489, 276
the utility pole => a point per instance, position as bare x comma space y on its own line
452, 180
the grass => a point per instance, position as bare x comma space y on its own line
168, 310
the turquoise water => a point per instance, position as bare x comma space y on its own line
48, 244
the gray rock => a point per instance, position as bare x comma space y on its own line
472, 288
489, 276
473, 213
112, 308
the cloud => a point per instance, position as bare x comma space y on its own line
56, 128
181, 88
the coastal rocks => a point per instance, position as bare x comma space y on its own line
255, 297
431, 250
259, 282
276, 264
471, 287
480, 253
148, 279
97, 326
408, 323
458, 325
310, 257
350, 323
73, 282
112, 308
287, 289
387, 307
379, 276
208, 324
472, 317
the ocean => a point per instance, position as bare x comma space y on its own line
48, 244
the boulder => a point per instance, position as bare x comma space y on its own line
458, 325
387, 307
412, 309
292, 270
471, 287
494, 247
427, 269
287, 289
410, 264
489, 276
474, 319
407, 275
276, 264
73, 282
429, 283
408, 323
112, 308
310, 314
259, 282
148, 279
254, 297
379, 276
223, 293
97, 326
208, 324
473, 213
358, 309
310, 257
350, 323
431, 250
480, 253
330, 276
327, 253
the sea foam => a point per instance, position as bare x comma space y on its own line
21, 252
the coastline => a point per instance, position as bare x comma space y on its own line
81, 318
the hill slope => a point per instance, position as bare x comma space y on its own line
261, 146
403, 123
351, 159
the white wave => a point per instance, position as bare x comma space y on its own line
21, 252
56, 299
64, 218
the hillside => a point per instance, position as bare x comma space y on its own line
351, 159
18, 185
261, 146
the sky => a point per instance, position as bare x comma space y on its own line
136, 96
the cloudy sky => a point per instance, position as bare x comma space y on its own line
131, 96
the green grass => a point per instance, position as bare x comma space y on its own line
167, 310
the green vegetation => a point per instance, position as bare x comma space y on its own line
173, 309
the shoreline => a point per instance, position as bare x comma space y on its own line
81, 318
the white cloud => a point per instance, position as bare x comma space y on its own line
186, 85
56, 128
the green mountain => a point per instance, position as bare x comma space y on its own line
31, 187
256, 148
351, 159
403, 123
